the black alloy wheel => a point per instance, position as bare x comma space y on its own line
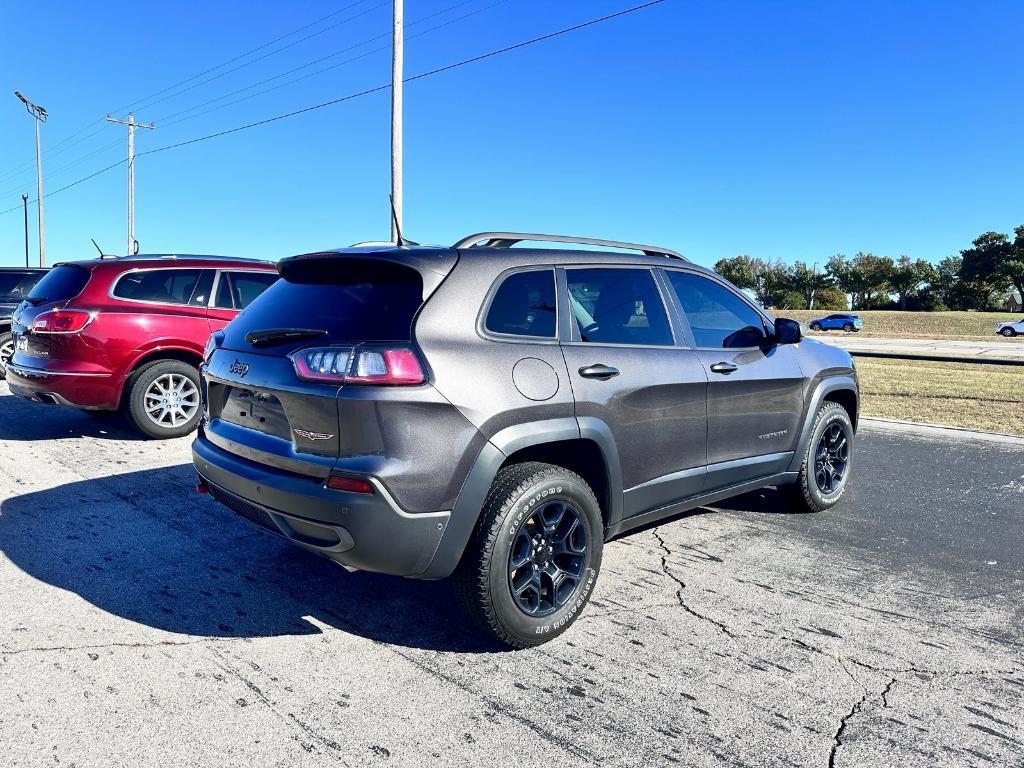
831, 458
548, 558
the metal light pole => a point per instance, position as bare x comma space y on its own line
398, 52
40, 116
132, 125
24, 205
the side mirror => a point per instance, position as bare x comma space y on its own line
788, 331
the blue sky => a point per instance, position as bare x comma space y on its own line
784, 130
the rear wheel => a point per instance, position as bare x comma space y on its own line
533, 561
163, 399
1008, 332
828, 460
6, 352
815, 326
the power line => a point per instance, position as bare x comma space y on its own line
325, 69
368, 91
257, 49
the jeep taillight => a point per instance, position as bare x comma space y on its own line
62, 321
358, 365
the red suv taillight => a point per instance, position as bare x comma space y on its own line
358, 365
62, 321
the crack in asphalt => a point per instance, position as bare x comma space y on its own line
682, 585
102, 646
837, 737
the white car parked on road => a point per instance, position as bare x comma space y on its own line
1012, 328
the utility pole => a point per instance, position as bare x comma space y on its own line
132, 125
397, 56
24, 205
40, 116
814, 285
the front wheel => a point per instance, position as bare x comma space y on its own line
163, 399
1007, 332
532, 563
848, 328
827, 462
6, 352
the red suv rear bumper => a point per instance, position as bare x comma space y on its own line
59, 384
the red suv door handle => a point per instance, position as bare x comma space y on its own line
599, 371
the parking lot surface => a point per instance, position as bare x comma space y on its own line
141, 624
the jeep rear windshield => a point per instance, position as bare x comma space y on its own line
63, 282
350, 299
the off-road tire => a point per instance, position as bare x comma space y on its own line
134, 401
481, 582
5, 338
805, 495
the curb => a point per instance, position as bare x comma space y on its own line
941, 430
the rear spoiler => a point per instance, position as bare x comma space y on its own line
347, 266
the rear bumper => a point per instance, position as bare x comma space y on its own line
91, 391
365, 531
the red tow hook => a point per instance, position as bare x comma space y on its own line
202, 487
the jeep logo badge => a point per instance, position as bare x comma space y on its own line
238, 368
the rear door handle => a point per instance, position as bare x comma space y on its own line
725, 368
599, 371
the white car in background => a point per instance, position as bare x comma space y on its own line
1012, 328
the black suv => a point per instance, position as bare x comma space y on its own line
498, 413
15, 283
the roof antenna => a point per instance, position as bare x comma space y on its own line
102, 254
394, 216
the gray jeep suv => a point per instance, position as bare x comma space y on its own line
496, 414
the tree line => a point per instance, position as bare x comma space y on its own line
982, 277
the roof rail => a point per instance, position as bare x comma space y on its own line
508, 239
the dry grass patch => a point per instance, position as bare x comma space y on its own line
987, 397
925, 325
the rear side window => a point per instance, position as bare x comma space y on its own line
524, 305
237, 290
16, 285
350, 299
618, 306
717, 316
161, 286
61, 283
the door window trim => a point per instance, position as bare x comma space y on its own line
573, 337
216, 285
767, 319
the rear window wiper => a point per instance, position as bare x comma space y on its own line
270, 337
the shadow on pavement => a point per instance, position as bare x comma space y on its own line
144, 546
23, 420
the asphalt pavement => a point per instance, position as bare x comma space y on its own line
143, 625
997, 348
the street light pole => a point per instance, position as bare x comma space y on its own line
132, 125
25, 205
397, 61
40, 116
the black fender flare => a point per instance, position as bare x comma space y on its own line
817, 397
495, 451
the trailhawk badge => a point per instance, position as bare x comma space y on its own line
312, 435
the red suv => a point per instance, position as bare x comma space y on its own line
129, 333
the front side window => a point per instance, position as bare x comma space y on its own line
618, 306
160, 286
717, 316
524, 305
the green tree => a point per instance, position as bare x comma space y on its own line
738, 270
996, 260
865, 277
808, 281
907, 277
830, 299
766, 280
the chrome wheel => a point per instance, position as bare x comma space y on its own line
172, 400
6, 353
831, 458
548, 558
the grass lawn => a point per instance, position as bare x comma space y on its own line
909, 325
959, 395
